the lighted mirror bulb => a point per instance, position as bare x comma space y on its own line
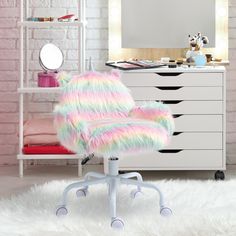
221, 43
115, 43
221, 11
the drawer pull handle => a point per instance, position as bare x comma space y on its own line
169, 74
172, 101
169, 88
177, 115
170, 150
177, 133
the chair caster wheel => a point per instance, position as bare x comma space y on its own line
117, 223
165, 211
135, 193
219, 175
83, 192
61, 211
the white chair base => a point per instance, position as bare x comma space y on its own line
113, 179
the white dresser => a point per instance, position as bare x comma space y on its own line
197, 99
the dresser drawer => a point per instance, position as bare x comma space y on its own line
192, 107
172, 79
184, 159
199, 123
176, 93
196, 141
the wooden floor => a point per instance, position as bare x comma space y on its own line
11, 184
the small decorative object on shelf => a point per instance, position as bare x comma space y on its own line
196, 43
209, 57
50, 59
200, 60
47, 79
66, 18
40, 19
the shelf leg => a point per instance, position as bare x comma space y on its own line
79, 168
21, 168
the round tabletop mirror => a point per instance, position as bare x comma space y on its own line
51, 57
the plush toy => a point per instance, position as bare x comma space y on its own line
196, 42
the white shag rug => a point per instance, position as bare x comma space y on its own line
201, 208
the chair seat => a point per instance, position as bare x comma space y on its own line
112, 137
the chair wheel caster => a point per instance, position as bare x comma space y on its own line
117, 223
83, 192
219, 175
61, 211
135, 193
165, 211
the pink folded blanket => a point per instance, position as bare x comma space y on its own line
39, 126
40, 131
41, 139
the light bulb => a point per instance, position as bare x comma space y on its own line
221, 11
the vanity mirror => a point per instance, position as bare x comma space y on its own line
151, 29
51, 60
51, 57
165, 23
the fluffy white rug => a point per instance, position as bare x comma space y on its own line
201, 208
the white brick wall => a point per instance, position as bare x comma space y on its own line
66, 39
97, 48
8, 81
231, 87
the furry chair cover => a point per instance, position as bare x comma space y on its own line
97, 114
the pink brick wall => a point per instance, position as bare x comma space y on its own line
96, 47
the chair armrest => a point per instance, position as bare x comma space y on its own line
72, 131
155, 111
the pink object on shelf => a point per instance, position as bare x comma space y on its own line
40, 131
38, 126
47, 79
52, 149
41, 139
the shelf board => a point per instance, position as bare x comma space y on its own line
47, 156
50, 23
39, 90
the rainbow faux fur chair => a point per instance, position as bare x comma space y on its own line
97, 116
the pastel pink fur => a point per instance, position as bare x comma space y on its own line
97, 114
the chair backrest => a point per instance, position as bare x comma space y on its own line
95, 95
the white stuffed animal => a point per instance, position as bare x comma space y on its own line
196, 42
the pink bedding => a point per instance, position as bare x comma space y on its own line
39, 126
40, 131
45, 150
41, 139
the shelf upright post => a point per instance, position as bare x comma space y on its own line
27, 44
82, 32
21, 100
26, 54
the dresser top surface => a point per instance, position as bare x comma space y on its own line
181, 69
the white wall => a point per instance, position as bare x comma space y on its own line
231, 86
